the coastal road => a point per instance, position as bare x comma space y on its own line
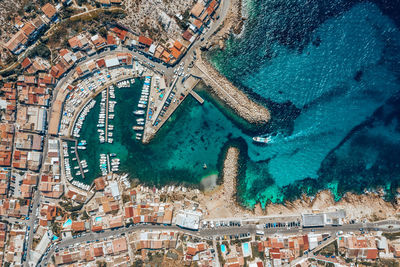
222, 232
36, 202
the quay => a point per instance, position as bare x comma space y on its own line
163, 101
108, 163
196, 96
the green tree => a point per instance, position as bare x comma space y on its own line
40, 50
85, 215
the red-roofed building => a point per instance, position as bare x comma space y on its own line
78, 226
187, 35
198, 23
143, 40
121, 33
98, 251
50, 11
361, 247
28, 28
111, 40
178, 45
26, 63
191, 251
99, 183
17, 42
97, 228
175, 52
128, 212
98, 41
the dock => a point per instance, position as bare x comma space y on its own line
108, 163
107, 94
77, 158
197, 97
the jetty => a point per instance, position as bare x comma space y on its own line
108, 163
197, 97
77, 158
157, 112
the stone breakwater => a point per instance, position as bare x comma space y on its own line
230, 94
230, 173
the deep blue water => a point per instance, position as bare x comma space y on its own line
326, 70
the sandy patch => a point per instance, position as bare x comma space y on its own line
209, 182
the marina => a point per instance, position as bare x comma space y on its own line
169, 157
122, 134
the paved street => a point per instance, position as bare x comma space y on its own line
226, 232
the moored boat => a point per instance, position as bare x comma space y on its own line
139, 112
138, 128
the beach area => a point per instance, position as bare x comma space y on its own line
220, 201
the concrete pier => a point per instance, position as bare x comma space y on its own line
77, 158
157, 113
182, 90
197, 97
108, 163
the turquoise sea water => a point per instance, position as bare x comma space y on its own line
329, 72
337, 80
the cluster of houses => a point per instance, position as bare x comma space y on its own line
281, 250
50, 184
124, 250
29, 31
12, 243
201, 15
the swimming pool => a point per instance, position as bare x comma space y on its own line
67, 223
223, 248
98, 219
246, 251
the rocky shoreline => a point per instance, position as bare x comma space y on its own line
222, 201
233, 23
369, 206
